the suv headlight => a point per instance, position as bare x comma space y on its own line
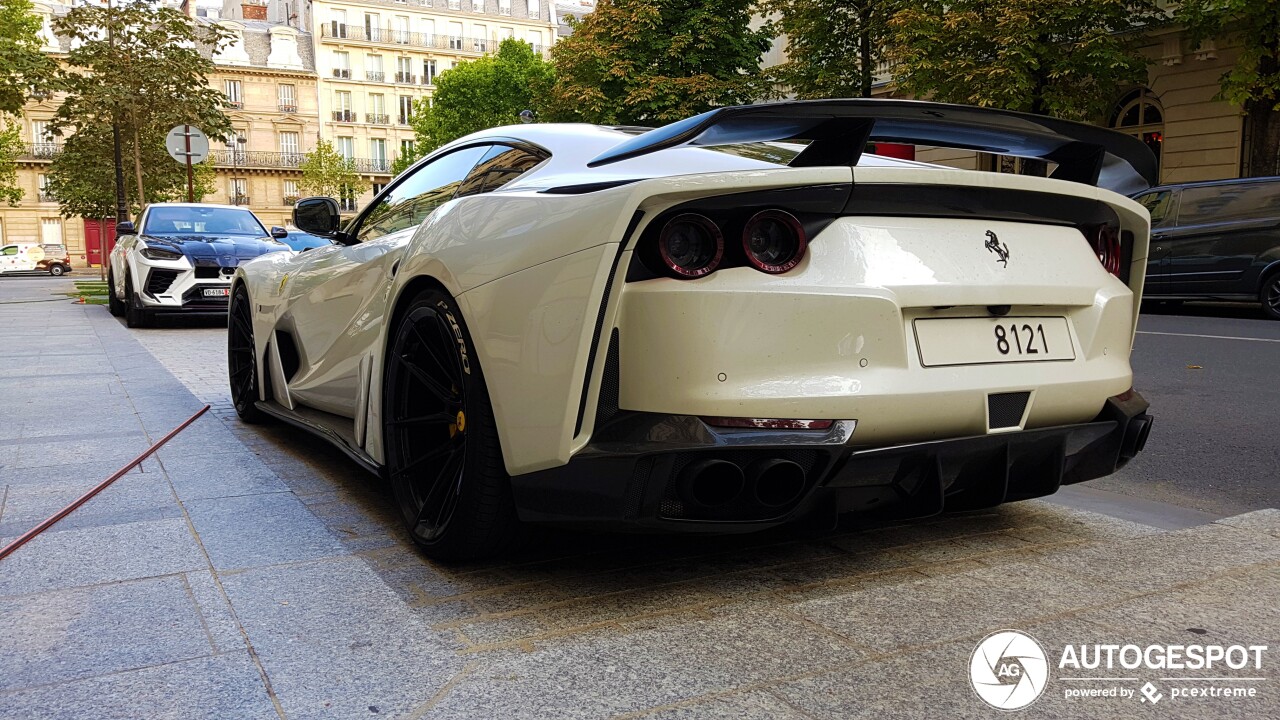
152, 252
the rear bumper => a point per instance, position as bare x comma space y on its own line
636, 473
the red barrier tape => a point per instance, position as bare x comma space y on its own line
99, 488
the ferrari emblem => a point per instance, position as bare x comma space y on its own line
1000, 249
283, 280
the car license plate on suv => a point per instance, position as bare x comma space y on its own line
217, 292
979, 341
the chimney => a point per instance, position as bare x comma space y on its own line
253, 11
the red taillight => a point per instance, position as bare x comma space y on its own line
1105, 240
774, 241
691, 245
770, 423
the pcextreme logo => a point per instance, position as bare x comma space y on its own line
1009, 670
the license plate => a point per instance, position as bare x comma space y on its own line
217, 292
979, 341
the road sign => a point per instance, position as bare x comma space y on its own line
176, 143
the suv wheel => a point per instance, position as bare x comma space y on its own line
134, 315
1270, 295
114, 304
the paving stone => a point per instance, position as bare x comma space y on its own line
1263, 521
225, 686
335, 641
215, 610
91, 555
68, 634
252, 530
753, 705
196, 477
142, 493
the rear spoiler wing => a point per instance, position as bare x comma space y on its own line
839, 130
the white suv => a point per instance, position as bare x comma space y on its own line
180, 257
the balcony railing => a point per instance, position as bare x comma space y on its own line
406, 78
290, 200
343, 73
377, 119
239, 200
373, 166
39, 151
255, 159
375, 76
504, 10
347, 204
344, 115
429, 79
46, 197
402, 119
235, 104
287, 108
357, 33
455, 4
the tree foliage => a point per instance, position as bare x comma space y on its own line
480, 94
138, 65
325, 172
833, 46
10, 148
1064, 58
24, 68
1254, 81
80, 176
656, 61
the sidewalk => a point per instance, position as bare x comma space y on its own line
256, 573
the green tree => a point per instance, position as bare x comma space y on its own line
24, 68
1254, 82
480, 94
655, 61
139, 65
10, 148
1064, 58
80, 176
325, 172
833, 46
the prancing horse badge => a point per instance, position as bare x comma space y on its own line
999, 248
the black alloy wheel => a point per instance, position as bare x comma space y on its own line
134, 315
114, 304
440, 440
1271, 296
242, 358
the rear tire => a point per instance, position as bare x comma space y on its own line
134, 315
56, 270
1270, 296
242, 358
441, 444
114, 304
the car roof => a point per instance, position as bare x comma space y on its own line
573, 145
197, 205
1207, 183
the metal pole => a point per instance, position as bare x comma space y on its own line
122, 206
191, 193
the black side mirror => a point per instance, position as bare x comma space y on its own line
278, 232
317, 215
124, 228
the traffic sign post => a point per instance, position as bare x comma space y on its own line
188, 145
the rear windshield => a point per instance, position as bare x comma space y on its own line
201, 221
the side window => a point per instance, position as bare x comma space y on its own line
412, 200
9, 250
1158, 204
1229, 202
499, 166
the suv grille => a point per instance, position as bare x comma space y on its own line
158, 281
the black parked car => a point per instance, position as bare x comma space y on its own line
1217, 240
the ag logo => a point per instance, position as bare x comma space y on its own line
1008, 670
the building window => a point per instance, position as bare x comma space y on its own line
477, 6
405, 113
373, 27
42, 138
377, 110
289, 143
290, 192
286, 97
342, 64
481, 41
338, 23
342, 108
238, 191
378, 153
378, 188
533, 8
51, 231
406, 148
1140, 114
404, 70
428, 72
43, 186
231, 88
346, 147
455, 36
373, 68
402, 30
505, 33
504, 7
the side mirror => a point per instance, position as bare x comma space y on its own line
317, 215
278, 232
124, 228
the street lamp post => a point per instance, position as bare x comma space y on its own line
235, 168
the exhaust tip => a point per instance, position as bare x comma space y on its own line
1135, 436
776, 482
711, 483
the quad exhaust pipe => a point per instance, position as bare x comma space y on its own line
1135, 436
767, 482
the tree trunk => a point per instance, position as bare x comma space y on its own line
864, 49
137, 168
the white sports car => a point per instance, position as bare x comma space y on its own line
179, 257
719, 325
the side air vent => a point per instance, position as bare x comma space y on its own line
289, 360
1004, 410
607, 404
158, 281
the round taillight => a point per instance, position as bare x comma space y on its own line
691, 245
773, 241
1106, 245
